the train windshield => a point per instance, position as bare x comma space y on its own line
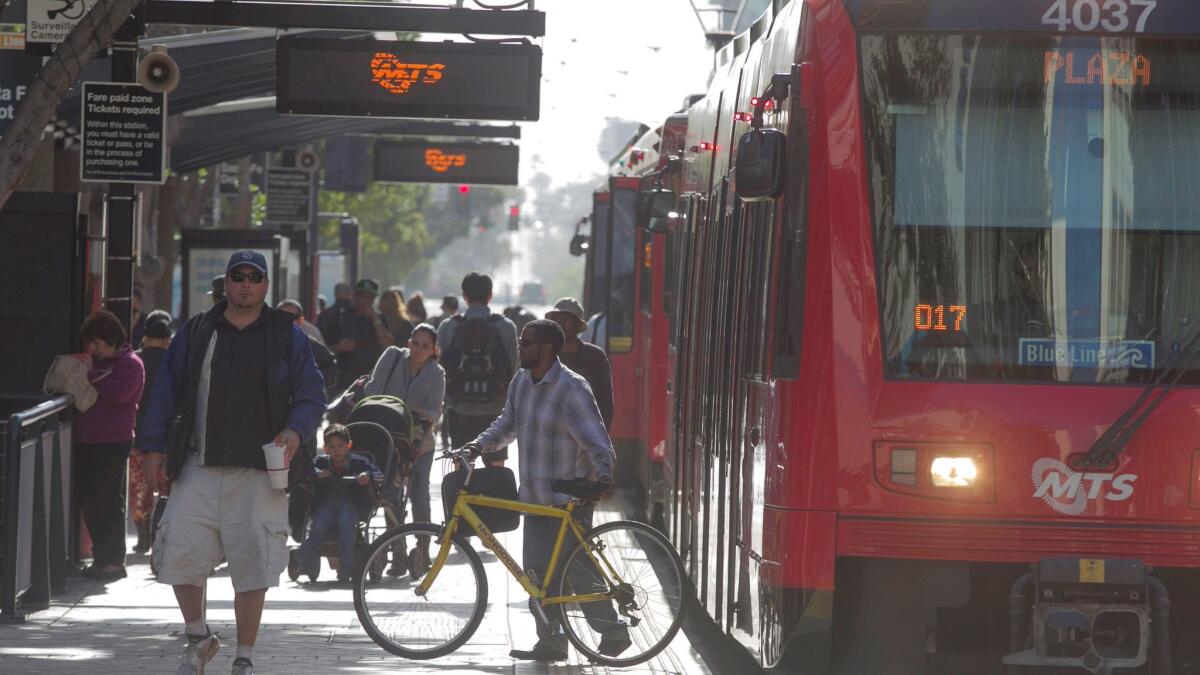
1037, 205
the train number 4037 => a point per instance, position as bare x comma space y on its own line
1113, 16
933, 317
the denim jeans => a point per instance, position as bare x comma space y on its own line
537, 546
328, 517
418, 488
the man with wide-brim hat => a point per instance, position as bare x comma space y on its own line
582, 357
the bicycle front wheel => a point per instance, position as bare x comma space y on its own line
640, 569
421, 627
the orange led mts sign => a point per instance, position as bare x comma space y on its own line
418, 161
398, 76
441, 162
387, 78
1103, 68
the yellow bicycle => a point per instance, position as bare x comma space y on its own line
620, 575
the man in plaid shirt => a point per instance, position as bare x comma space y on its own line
552, 415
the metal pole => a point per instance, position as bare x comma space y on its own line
12, 504
121, 202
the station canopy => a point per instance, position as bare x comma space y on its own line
226, 100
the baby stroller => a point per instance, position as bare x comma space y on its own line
406, 429
375, 441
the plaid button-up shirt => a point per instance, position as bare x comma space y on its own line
558, 430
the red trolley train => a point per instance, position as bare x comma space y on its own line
934, 319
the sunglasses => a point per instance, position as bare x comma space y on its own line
252, 277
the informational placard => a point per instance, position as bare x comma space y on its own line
50, 21
124, 129
289, 196
317, 76
420, 161
17, 70
227, 178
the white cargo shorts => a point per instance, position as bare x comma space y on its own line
216, 512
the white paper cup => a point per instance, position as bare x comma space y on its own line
276, 467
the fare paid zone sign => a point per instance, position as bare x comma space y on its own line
289, 196
124, 134
419, 161
316, 76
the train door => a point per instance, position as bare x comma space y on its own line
620, 315
716, 388
757, 392
595, 279
687, 374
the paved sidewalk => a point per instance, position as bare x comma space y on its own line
133, 626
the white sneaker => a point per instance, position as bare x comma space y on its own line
197, 654
243, 666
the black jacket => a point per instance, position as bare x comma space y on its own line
295, 388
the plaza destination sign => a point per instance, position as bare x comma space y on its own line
381, 78
1099, 17
419, 161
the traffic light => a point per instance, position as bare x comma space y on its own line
514, 218
463, 201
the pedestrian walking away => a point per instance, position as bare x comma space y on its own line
449, 309
331, 319
413, 375
103, 438
156, 339
416, 309
479, 352
551, 414
582, 357
393, 310
235, 380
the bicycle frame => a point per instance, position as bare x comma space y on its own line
463, 512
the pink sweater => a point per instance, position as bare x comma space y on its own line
119, 382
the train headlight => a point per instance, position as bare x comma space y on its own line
953, 472
958, 471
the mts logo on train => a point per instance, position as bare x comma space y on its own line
1063, 489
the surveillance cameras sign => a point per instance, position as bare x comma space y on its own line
50, 21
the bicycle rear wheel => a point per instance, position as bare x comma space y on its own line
650, 593
417, 627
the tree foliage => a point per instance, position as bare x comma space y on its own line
392, 226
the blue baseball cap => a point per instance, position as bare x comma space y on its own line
247, 257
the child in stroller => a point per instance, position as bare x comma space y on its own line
343, 497
406, 429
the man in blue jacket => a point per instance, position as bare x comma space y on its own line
235, 378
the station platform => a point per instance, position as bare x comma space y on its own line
134, 626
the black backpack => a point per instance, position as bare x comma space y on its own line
478, 367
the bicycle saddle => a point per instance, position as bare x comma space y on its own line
581, 488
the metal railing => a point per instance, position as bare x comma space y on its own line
36, 530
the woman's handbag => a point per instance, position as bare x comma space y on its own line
68, 375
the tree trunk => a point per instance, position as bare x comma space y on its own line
93, 33
245, 202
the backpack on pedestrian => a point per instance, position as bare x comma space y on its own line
478, 369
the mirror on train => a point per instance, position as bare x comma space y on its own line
580, 244
759, 168
654, 207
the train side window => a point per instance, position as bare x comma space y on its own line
789, 281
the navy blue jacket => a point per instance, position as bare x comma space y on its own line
295, 388
324, 488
